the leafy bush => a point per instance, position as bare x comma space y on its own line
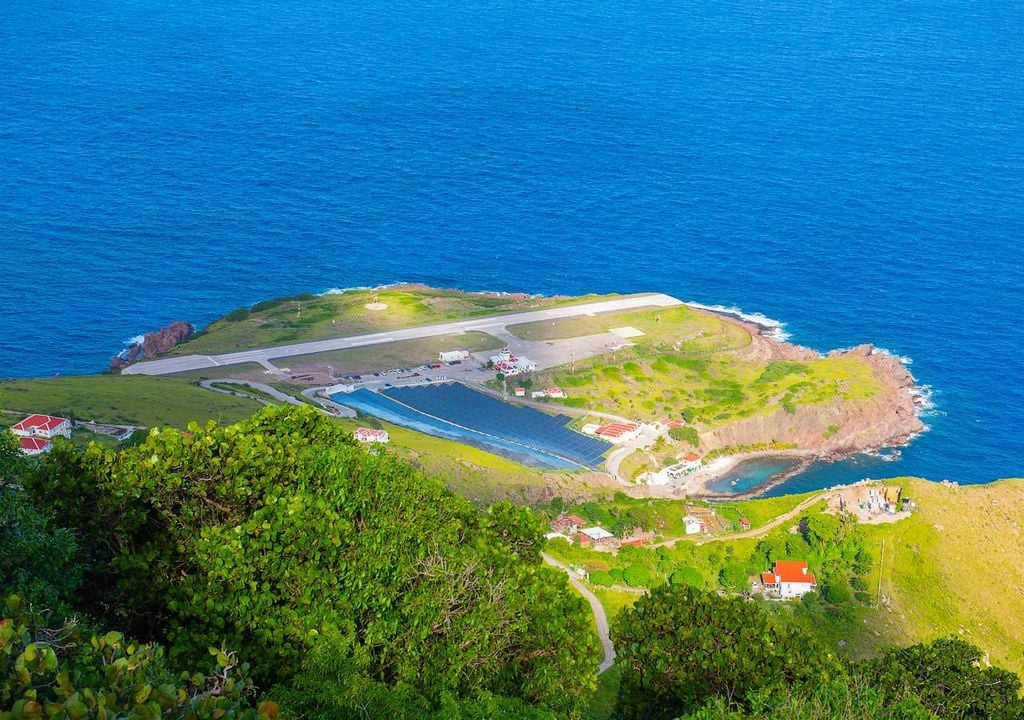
266, 534
679, 647
56, 673
685, 434
637, 576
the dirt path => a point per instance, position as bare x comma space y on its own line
755, 532
600, 617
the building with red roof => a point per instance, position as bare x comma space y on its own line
619, 432
34, 445
371, 435
789, 579
45, 426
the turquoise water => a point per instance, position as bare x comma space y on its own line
854, 169
749, 475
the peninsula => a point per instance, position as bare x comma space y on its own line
668, 396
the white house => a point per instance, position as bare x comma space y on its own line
342, 388
789, 579
371, 435
34, 445
44, 426
520, 392
693, 525
450, 356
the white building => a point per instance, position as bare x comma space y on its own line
45, 426
342, 388
511, 365
596, 533
693, 525
371, 435
450, 356
789, 579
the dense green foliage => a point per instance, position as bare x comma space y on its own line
949, 679
59, 673
681, 647
268, 535
688, 653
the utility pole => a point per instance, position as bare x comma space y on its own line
881, 561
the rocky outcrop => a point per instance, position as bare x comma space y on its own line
153, 344
838, 426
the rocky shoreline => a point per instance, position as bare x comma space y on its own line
891, 418
153, 343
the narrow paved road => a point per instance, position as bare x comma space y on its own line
262, 387
167, 366
600, 618
755, 532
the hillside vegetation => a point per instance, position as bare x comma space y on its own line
123, 400
954, 567
275, 570
698, 366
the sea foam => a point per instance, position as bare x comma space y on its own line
775, 329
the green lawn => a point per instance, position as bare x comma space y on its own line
312, 317
123, 399
404, 353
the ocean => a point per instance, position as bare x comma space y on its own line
852, 169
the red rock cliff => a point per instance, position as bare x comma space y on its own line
154, 343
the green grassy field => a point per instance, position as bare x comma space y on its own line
404, 353
953, 567
312, 317
691, 364
123, 399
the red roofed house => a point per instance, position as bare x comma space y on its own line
34, 445
520, 392
554, 392
566, 525
669, 423
789, 579
619, 432
744, 523
370, 435
43, 426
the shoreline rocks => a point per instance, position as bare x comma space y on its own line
153, 343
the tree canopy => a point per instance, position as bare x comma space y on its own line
268, 535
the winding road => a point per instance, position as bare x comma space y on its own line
600, 617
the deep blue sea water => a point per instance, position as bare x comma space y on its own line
855, 169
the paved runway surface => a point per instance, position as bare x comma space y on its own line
263, 356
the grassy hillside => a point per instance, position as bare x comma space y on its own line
694, 364
123, 399
954, 567
312, 317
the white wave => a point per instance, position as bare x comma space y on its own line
385, 286
775, 329
905, 360
342, 291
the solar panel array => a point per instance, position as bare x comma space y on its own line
459, 404
390, 410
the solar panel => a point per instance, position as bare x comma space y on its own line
458, 404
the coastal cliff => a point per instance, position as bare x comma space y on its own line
153, 343
838, 426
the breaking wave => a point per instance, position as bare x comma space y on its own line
774, 329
